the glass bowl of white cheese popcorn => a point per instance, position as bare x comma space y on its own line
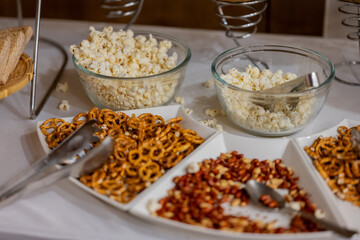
129, 70
243, 74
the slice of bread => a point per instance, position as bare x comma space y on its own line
27, 30
16, 49
4, 52
19, 37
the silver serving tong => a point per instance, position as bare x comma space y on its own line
50, 168
355, 140
305, 82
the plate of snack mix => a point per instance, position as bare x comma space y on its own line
207, 192
336, 166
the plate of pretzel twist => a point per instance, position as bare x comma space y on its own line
336, 164
148, 143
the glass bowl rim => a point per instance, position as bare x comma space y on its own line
269, 46
148, 33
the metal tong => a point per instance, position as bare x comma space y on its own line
307, 81
50, 168
355, 139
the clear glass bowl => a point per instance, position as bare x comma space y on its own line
272, 114
137, 92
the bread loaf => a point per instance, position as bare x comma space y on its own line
18, 37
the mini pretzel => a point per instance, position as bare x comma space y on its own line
50, 125
100, 134
182, 146
105, 113
148, 119
169, 141
119, 154
174, 120
81, 117
135, 123
136, 187
116, 131
149, 172
101, 190
86, 179
135, 156
54, 138
115, 169
122, 117
165, 131
192, 136
127, 196
114, 187
188, 151
355, 168
175, 127
322, 172
131, 170
132, 180
97, 177
159, 121
157, 151
145, 149
170, 159
66, 127
93, 113
342, 130
348, 171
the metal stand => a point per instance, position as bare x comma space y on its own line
353, 9
123, 8
247, 22
34, 111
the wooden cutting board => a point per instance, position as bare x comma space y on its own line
18, 79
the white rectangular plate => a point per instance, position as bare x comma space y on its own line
349, 212
251, 148
166, 112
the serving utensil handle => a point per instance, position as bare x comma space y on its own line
30, 178
345, 232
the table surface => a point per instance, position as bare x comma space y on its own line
62, 211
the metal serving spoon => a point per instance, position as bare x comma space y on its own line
256, 190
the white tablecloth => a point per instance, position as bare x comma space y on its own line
63, 211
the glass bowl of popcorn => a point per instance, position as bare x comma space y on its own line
123, 70
244, 75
